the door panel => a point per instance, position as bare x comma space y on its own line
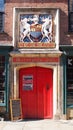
28, 96
44, 86
36, 92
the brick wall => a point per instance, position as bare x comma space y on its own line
65, 37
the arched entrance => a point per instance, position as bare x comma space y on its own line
36, 92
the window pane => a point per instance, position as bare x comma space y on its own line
70, 5
1, 14
1, 5
70, 81
70, 15
1, 22
2, 79
2, 95
71, 21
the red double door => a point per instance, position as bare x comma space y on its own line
36, 92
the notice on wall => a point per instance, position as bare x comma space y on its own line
15, 109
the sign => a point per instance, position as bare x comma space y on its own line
15, 107
36, 44
35, 59
70, 62
27, 82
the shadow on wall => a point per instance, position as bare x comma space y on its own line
5, 37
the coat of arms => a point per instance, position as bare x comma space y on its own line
36, 28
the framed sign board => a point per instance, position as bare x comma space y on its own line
15, 108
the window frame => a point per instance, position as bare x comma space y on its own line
69, 81
2, 19
69, 17
4, 104
2, 16
5, 53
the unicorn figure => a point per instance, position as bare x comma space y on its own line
24, 28
47, 28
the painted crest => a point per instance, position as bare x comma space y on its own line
36, 28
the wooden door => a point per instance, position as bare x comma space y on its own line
36, 91
45, 92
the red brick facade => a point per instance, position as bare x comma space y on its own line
65, 37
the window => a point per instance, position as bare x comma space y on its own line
1, 14
70, 81
2, 80
1, 22
71, 15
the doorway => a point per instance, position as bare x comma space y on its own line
36, 92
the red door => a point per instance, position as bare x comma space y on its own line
36, 91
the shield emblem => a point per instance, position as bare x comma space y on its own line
35, 33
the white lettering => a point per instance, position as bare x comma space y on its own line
69, 61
